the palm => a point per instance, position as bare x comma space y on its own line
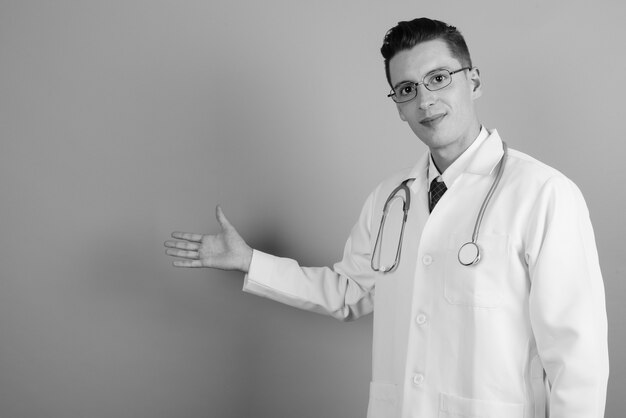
225, 250
218, 250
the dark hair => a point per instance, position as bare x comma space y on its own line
408, 34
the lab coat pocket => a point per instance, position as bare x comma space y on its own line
383, 401
451, 406
480, 285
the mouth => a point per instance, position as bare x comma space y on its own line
433, 120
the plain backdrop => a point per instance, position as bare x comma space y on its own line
122, 121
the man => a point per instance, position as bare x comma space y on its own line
517, 330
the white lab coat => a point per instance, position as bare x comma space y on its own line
522, 334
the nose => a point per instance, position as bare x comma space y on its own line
425, 97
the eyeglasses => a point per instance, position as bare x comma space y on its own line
434, 81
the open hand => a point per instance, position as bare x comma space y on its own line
225, 250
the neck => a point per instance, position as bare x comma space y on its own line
445, 156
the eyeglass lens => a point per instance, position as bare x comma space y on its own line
433, 82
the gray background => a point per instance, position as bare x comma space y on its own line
121, 121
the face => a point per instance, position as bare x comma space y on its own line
445, 120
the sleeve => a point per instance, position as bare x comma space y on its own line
345, 292
567, 302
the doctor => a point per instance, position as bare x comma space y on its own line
522, 333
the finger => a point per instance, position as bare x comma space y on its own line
182, 245
183, 254
187, 263
187, 236
221, 218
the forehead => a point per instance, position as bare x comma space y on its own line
413, 64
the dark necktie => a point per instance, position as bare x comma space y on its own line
437, 189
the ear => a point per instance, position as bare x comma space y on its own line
474, 77
400, 112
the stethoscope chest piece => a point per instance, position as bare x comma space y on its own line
469, 254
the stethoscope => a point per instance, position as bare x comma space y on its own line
469, 253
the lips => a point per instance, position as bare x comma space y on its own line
433, 120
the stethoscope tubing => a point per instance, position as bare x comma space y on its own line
492, 189
406, 205
473, 244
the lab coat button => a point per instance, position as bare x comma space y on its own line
418, 379
420, 319
427, 260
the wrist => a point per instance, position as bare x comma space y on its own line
247, 260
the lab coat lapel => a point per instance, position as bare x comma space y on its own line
481, 164
419, 188
418, 215
486, 158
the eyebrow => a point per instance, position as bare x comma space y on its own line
445, 67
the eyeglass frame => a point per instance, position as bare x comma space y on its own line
423, 82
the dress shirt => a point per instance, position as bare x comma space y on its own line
459, 165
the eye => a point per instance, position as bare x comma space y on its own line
439, 79
405, 90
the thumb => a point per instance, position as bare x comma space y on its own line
221, 218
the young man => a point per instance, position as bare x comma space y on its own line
487, 292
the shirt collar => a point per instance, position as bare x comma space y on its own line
459, 165
480, 158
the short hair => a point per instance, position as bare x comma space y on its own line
405, 35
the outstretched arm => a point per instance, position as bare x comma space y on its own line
225, 250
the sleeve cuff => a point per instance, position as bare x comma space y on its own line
261, 268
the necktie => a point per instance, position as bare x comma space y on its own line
437, 189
